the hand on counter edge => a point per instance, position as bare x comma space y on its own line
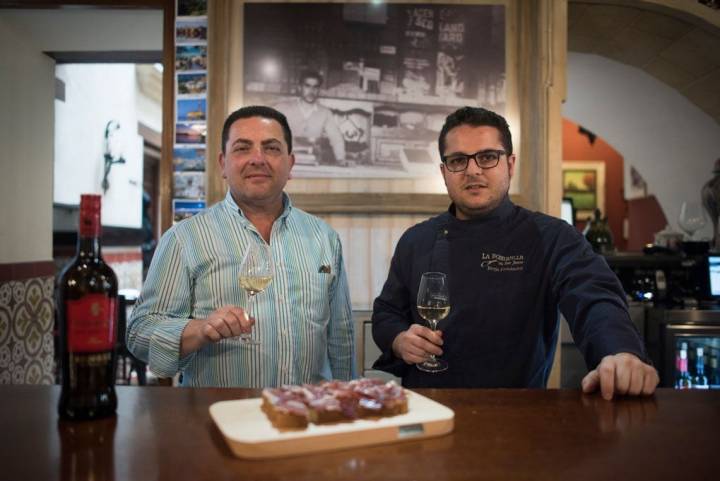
621, 374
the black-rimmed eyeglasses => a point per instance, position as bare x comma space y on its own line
485, 159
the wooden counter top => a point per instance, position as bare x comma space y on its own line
167, 434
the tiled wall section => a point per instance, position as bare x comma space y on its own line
26, 324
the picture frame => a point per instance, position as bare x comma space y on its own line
191, 110
189, 185
186, 208
421, 195
189, 31
393, 71
191, 84
584, 183
188, 159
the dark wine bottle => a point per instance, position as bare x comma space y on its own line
87, 309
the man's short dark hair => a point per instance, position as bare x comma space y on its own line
476, 116
257, 111
306, 74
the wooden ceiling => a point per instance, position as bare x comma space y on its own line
681, 50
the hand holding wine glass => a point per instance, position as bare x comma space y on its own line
433, 305
256, 271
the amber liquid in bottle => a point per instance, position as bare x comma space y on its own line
87, 308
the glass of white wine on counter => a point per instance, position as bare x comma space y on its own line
433, 305
256, 271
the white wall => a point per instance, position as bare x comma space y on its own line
96, 94
670, 141
26, 154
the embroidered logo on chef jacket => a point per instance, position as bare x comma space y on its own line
499, 263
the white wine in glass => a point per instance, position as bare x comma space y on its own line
433, 305
256, 271
254, 285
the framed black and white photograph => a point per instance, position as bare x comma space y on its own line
366, 87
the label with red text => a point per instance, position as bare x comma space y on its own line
91, 323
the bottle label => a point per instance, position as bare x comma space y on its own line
91, 323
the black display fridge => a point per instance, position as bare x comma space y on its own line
684, 345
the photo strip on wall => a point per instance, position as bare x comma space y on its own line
189, 151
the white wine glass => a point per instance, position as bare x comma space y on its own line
256, 272
692, 218
433, 305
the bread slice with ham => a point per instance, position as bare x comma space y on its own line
332, 401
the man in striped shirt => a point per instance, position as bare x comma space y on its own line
189, 315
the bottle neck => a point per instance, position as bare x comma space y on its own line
89, 228
88, 247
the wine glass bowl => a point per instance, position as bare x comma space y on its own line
256, 272
433, 305
692, 218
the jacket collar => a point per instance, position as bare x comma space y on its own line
501, 212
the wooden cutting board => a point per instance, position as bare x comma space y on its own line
250, 434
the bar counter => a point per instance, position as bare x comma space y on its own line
166, 433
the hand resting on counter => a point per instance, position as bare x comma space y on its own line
621, 374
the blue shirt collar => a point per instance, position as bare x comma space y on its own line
232, 206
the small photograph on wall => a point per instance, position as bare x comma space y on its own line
190, 133
191, 110
191, 83
191, 8
191, 31
184, 209
188, 159
189, 185
584, 183
357, 80
190, 57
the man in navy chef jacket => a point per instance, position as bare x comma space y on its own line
511, 272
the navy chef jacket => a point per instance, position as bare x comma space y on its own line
510, 273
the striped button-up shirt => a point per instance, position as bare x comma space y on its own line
303, 318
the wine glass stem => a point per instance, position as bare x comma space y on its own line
246, 335
433, 326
